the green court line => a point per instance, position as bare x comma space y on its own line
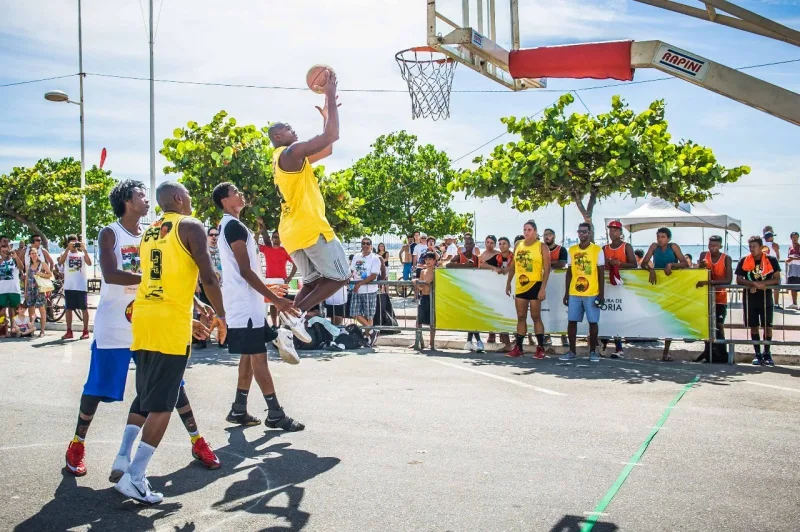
615, 487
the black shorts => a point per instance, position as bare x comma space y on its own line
424, 310
158, 379
758, 313
75, 299
338, 311
720, 312
250, 340
531, 293
793, 280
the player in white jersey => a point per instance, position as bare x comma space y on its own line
111, 354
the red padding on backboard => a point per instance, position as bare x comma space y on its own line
604, 60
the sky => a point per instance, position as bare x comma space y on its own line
274, 43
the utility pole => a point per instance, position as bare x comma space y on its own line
152, 122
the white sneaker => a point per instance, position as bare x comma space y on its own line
469, 346
285, 345
298, 326
138, 490
792, 307
479, 346
120, 467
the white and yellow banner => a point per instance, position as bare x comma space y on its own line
476, 300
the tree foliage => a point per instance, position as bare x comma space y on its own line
46, 199
405, 187
582, 159
206, 155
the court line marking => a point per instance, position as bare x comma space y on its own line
67, 354
500, 378
784, 388
637, 456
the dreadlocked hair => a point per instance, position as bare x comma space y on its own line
121, 193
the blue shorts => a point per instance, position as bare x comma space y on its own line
108, 373
580, 305
407, 268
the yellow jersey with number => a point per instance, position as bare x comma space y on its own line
162, 310
584, 263
528, 265
302, 207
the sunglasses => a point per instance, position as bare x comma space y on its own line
37, 240
213, 235
583, 231
366, 243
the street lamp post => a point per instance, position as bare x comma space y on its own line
60, 96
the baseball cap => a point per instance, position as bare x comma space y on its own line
794, 233
769, 234
615, 224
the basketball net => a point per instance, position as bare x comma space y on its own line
429, 75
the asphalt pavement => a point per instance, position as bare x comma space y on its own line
398, 440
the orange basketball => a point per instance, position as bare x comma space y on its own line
317, 77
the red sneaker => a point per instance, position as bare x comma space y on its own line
67, 336
514, 353
85, 335
75, 454
539, 353
203, 452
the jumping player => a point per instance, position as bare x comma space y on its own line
111, 354
531, 268
304, 230
173, 250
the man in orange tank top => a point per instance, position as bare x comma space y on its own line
721, 274
468, 259
619, 255
558, 254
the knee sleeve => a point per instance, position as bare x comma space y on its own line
183, 399
89, 404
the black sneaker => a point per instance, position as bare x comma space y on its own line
757, 360
768, 360
242, 418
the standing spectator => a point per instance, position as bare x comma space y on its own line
276, 259
10, 267
793, 266
558, 254
639, 256
431, 243
366, 267
34, 299
451, 250
757, 272
421, 240
666, 255
212, 237
424, 295
468, 259
462, 249
75, 260
407, 257
41, 251
334, 306
585, 289
771, 248
530, 270
498, 263
721, 269
384, 255
689, 261
619, 255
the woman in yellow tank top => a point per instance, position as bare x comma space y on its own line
529, 271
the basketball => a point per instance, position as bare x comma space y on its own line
317, 77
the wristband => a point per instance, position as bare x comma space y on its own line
221, 318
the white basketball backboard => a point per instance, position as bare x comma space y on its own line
479, 34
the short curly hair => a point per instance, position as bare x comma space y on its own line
121, 193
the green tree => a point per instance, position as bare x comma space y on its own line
46, 199
582, 159
405, 188
206, 155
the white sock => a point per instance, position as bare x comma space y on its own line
128, 437
139, 465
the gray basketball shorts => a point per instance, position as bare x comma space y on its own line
323, 259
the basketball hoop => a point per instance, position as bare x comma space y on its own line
429, 75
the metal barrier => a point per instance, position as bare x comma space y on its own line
735, 323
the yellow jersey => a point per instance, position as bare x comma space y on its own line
583, 264
302, 207
528, 265
162, 311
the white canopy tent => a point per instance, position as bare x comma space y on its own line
658, 213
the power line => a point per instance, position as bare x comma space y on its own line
158, 22
36, 80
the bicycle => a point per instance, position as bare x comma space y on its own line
54, 303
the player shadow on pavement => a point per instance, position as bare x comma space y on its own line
74, 506
625, 371
574, 523
273, 470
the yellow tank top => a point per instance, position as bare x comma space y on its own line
162, 310
302, 207
527, 265
583, 264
